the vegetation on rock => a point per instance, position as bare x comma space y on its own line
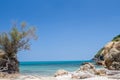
115, 39
11, 43
98, 53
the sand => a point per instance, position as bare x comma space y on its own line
31, 77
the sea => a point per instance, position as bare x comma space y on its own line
48, 68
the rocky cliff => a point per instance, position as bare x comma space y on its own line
109, 55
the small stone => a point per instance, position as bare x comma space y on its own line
60, 72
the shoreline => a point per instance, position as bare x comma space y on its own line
31, 77
87, 71
112, 75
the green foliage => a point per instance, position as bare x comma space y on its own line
17, 39
99, 52
117, 38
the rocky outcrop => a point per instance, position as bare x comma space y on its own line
88, 67
112, 59
60, 72
8, 64
87, 70
109, 55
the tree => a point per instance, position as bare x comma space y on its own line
12, 42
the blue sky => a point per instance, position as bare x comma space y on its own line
67, 29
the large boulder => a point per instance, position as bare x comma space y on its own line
90, 68
8, 64
109, 55
112, 59
87, 67
87, 70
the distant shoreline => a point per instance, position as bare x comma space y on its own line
27, 62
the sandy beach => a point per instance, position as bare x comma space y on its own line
30, 77
60, 77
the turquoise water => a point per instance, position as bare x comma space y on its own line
48, 68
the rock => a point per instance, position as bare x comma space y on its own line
8, 67
60, 73
109, 55
114, 77
112, 72
100, 63
82, 75
112, 59
8, 64
101, 72
87, 70
115, 65
107, 48
89, 67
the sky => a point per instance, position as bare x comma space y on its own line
67, 29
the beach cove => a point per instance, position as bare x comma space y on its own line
59, 40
